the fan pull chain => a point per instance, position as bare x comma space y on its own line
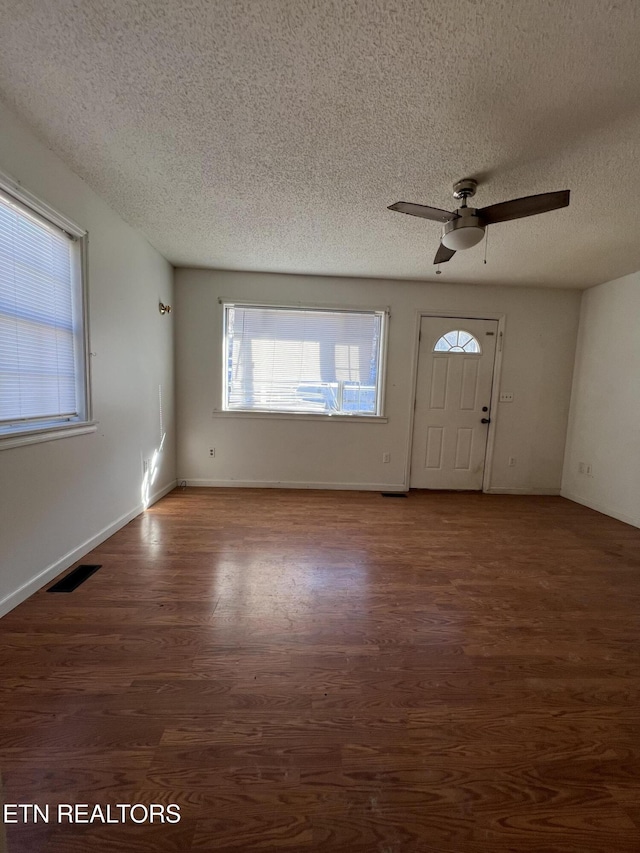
486, 240
438, 271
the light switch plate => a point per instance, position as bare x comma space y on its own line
506, 396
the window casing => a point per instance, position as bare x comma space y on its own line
303, 361
44, 381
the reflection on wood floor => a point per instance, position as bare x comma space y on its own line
336, 671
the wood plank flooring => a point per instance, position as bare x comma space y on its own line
336, 671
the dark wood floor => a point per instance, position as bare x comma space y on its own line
334, 671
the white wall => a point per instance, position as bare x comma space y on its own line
604, 424
59, 498
541, 327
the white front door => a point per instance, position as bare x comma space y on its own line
453, 397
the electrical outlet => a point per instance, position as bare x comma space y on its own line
212, 451
512, 461
386, 457
145, 466
580, 467
589, 470
506, 396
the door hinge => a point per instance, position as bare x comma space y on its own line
500, 342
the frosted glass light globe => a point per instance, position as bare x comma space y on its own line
463, 237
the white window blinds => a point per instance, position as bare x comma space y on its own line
40, 320
303, 360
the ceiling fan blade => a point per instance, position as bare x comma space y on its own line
443, 254
423, 211
518, 208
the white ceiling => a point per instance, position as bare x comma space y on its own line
272, 134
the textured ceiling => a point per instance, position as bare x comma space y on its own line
272, 134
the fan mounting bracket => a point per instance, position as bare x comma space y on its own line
466, 188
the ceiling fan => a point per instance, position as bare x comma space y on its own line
465, 226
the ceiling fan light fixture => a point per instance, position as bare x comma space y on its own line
465, 226
462, 233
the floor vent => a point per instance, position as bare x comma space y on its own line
73, 579
393, 494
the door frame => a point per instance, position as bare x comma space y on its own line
495, 385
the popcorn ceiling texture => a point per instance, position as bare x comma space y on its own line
272, 134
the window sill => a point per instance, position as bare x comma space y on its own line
10, 440
293, 416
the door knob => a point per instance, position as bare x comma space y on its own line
485, 420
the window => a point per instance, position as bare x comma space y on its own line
457, 341
43, 373
303, 360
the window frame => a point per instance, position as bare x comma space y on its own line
58, 426
359, 417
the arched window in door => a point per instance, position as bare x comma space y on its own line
458, 341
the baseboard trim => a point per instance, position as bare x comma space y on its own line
34, 584
620, 516
287, 484
499, 490
155, 497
